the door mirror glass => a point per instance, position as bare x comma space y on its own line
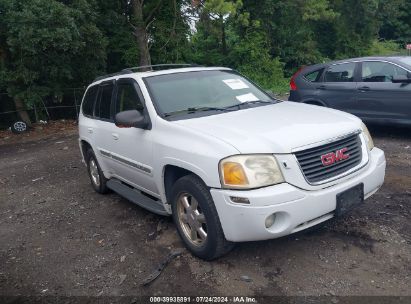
401, 79
127, 98
130, 119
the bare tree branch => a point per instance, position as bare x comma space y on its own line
172, 34
151, 14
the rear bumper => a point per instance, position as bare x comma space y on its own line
294, 96
295, 209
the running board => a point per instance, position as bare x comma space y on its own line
134, 195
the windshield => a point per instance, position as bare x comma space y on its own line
406, 60
215, 90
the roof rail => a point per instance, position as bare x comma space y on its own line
165, 66
111, 75
147, 68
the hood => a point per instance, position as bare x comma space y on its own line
277, 128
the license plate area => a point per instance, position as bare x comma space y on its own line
349, 199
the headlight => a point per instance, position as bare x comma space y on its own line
249, 171
367, 135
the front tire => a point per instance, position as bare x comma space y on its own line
98, 181
197, 220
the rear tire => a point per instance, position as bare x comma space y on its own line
197, 220
97, 178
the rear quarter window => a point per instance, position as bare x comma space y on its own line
314, 76
88, 101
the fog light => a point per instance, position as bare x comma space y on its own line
269, 221
239, 200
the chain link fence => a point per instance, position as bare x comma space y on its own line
64, 106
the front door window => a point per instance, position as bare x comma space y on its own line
377, 71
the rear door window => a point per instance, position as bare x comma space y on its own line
103, 106
340, 73
314, 76
377, 71
89, 99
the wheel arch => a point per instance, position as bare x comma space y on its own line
84, 146
171, 173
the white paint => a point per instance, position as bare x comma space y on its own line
198, 145
235, 84
246, 97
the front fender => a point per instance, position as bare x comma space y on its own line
210, 179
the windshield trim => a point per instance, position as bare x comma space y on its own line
202, 113
405, 62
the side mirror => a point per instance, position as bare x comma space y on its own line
401, 79
130, 119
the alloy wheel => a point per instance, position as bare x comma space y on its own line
95, 177
191, 219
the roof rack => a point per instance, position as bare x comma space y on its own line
111, 75
145, 68
165, 66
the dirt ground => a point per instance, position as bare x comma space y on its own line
59, 237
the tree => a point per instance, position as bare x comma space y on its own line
143, 14
291, 28
396, 21
113, 21
250, 56
169, 33
210, 39
49, 46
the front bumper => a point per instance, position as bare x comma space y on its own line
295, 209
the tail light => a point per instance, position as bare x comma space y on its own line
293, 85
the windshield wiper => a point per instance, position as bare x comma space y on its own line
224, 109
205, 109
259, 101
194, 110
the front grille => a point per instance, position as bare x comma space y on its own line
313, 168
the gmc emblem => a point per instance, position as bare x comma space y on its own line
331, 158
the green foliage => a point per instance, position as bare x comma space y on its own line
121, 49
291, 27
356, 27
49, 45
383, 48
396, 21
222, 7
250, 57
169, 34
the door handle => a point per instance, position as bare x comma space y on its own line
322, 87
364, 89
115, 136
90, 130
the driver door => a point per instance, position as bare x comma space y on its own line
132, 148
378, 97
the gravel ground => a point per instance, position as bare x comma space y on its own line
59, 237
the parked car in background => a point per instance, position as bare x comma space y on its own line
376, 89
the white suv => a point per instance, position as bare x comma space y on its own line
226, 160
